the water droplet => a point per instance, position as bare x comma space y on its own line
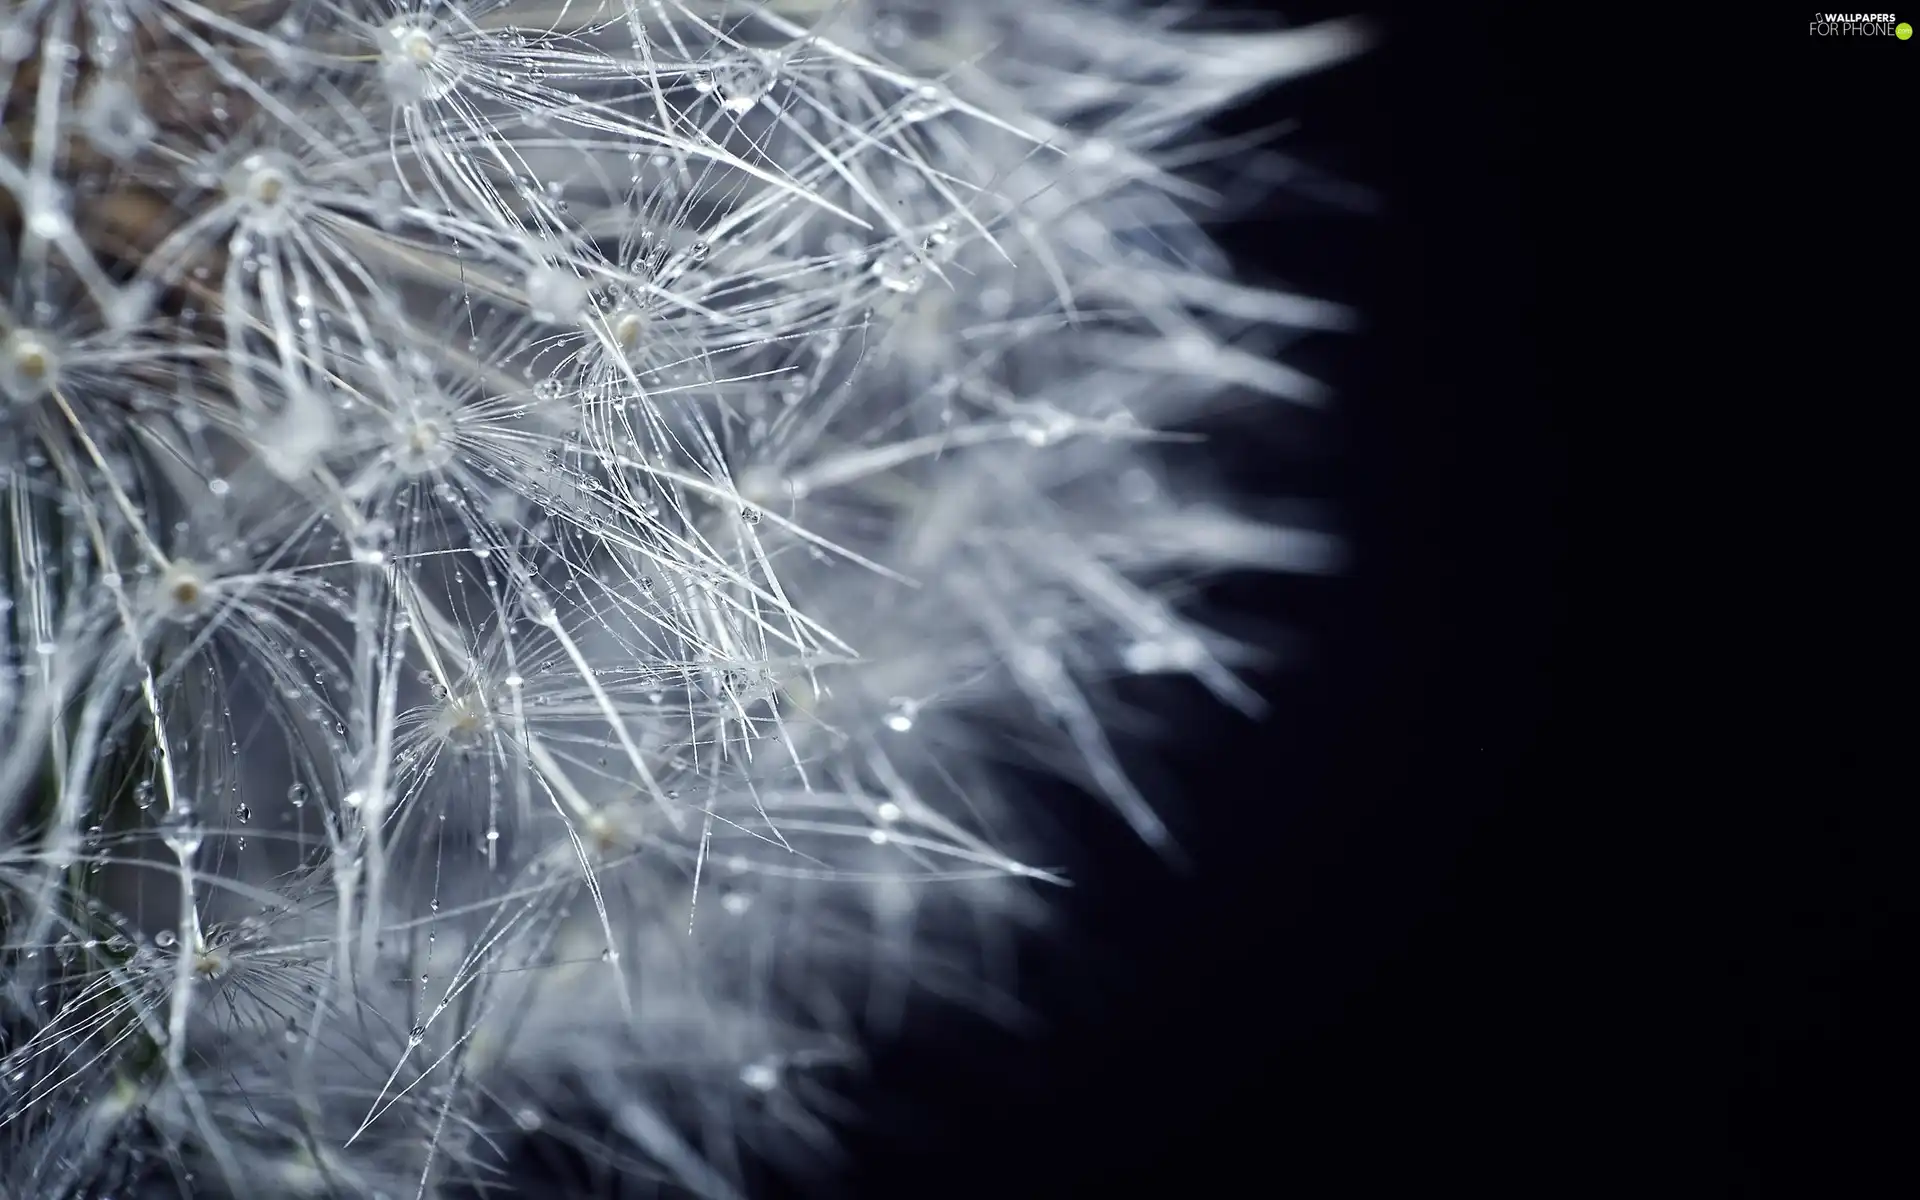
538, 608
742, 85
182, 832
925, 102
1042, 425
900, 715
899, 271
761, 1076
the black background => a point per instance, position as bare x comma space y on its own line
1809, 910
1346, 993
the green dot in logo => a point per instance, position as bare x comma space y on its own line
1903, 31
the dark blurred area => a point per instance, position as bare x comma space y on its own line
1344, 992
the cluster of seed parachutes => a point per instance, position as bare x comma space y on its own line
528, 529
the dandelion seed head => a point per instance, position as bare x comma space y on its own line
265, 186
415, 63
627, 326
185, 590
464, 721
424, 443
528, 535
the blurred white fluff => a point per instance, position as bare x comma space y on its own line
528, 527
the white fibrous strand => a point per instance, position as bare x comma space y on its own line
531, 532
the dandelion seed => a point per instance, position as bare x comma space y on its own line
414, 63
185, 591
28, 366
264, 186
